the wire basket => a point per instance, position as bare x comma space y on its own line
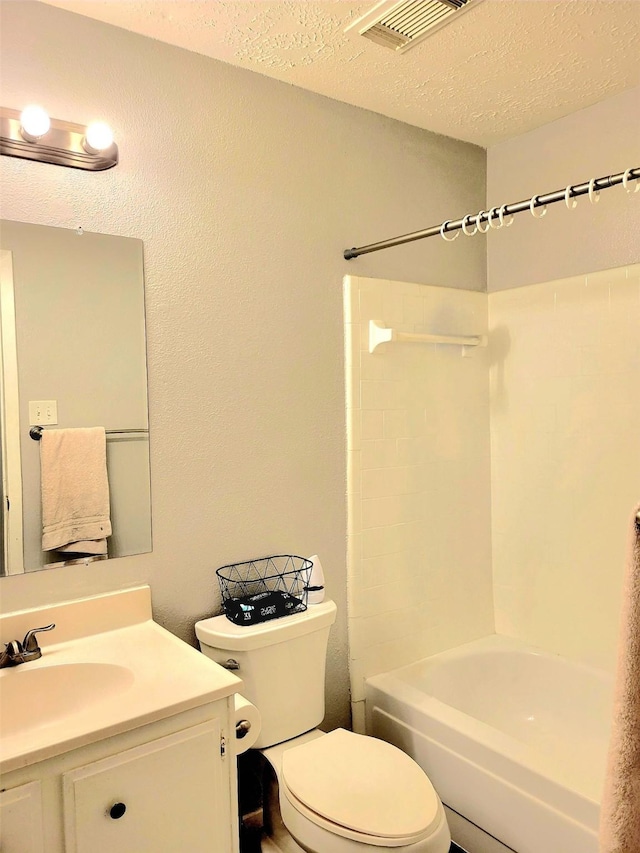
266, 588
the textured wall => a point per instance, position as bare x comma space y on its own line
601, 140
245, 192
565, 458
419, 479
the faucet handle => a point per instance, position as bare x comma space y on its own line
30, 644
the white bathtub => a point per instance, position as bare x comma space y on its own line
513, 739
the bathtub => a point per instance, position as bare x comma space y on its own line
513, 739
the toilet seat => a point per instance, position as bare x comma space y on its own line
362, 789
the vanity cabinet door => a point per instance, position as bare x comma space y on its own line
170, 795
21, 820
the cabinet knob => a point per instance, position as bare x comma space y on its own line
242, 728
117, 810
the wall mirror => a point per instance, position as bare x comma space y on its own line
73, 347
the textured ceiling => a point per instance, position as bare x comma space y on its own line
501, 69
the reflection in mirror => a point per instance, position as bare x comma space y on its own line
73, 351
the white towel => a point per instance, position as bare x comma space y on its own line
75, 490
620, 812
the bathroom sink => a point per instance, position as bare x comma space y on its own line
33, 698
106, 669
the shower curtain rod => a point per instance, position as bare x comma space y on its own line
571, 192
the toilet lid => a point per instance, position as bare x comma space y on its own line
363, 784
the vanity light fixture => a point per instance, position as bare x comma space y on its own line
32, 135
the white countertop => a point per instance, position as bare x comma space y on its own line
160, 676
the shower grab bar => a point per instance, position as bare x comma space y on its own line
380, 335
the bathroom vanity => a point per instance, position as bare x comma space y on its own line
121, 737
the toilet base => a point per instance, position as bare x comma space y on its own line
276, 838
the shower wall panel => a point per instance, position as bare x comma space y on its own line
565, 419
418, 477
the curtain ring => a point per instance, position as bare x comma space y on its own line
497, 213
532, 205
443, 235
594, 195
507, 222
464, 226
625, 182
571, 203
479, 226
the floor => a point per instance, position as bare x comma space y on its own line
251, 844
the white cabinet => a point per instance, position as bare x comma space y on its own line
21, 829
164, 796
166, 787
125, 713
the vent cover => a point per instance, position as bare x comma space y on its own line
401, 25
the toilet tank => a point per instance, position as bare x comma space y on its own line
281, 664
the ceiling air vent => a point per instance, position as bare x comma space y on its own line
400, 26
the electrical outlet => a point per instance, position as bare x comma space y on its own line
42, 412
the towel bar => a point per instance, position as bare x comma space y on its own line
379, 335
36, 432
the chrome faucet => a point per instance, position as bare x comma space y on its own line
17, 652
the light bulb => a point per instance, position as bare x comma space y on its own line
34, 123
98, 137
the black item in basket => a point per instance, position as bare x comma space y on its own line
258, 608
266, 588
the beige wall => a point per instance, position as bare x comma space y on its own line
601, 140
245, 191
565, 458
419, 480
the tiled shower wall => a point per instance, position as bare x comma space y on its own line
444, 519
418, 478
565, 449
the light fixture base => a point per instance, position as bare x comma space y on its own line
63, 145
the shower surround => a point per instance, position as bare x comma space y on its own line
565, 458
490, 493
418, 479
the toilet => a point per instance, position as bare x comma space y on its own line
339, 792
